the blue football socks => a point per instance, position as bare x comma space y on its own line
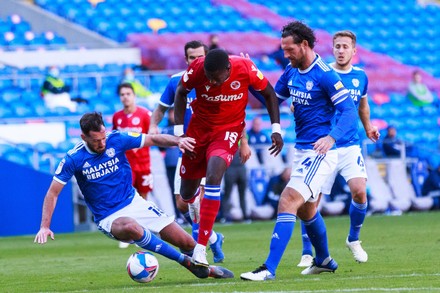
357, 214
307, 244
151, 242
280, 238
318, 236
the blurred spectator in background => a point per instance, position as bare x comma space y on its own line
213, 42
432, 182
418, 92
391, 145
258, 138
278, 56
140, 90
55, 92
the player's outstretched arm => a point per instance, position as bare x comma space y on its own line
49, 204
166, 140
156, 118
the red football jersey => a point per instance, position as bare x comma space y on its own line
139, 121
217, 107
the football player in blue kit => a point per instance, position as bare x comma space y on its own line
104, 175
317, 92
350, 160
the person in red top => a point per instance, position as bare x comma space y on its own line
136, 119
221, 83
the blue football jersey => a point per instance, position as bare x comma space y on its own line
356, 81
315, 93
167, 98
104, 179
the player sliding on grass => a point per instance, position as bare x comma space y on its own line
103, 173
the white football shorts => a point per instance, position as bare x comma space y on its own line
310, 171
351, 165
145, 212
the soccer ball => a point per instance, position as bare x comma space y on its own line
142, 266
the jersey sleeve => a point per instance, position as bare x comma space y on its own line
191, 75
65, 170
256, 78
167, 98
365, 90
129, 140
331, 84
281, 88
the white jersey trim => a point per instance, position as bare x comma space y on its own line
59, 181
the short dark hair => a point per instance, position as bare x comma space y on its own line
194, 45
215, 60
124, 85
91, 122
345, 33
299, 31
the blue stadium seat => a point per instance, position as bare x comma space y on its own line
6, 111
44, 147
61, 111
11, 94
6, 147
23, 111
30, 97
65, 146
104, 108
18, 157
430, 110
41, 110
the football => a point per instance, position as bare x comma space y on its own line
142, 266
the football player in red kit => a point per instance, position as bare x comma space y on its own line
136, 119
222, 83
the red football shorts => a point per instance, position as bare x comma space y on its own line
222, 143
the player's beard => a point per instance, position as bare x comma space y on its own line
96, 150
297, 63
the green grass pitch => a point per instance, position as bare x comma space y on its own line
404, 256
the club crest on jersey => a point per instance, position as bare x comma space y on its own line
235, 85
185, 75
119, 121
136, 120
60, 167
110, 152
338, 85
183, 169
309, 85
355, 82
